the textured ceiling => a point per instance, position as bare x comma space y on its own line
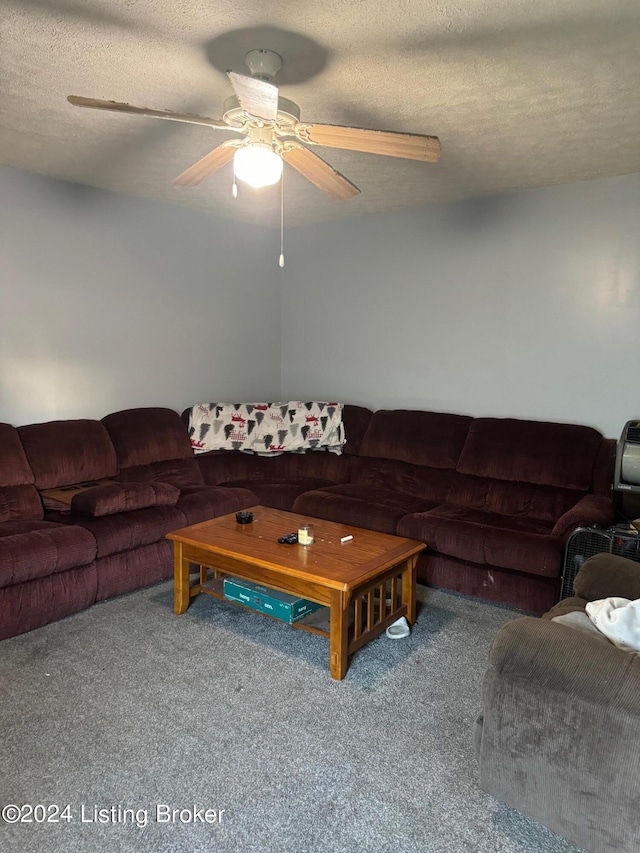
520, 94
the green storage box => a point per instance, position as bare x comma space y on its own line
281, 605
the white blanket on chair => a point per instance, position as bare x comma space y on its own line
618, 619
267, 428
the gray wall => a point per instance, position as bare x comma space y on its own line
110, 302
525, 305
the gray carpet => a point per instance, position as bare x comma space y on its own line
126, 706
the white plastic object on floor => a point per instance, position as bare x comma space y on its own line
399, 629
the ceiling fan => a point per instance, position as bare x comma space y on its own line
273, 133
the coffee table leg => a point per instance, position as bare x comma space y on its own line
409, 588
338, 634
181, 591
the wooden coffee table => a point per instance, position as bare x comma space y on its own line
366, 584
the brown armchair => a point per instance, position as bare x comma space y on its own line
559, 735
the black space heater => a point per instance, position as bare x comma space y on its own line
626, 477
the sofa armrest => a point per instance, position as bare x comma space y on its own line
591, 510
606, 575
555, 658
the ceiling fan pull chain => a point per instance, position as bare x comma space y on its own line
281, 259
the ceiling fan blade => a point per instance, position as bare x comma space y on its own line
318, 172
115, 106
411, 146
209, 164
256, 96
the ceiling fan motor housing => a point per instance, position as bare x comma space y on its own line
235, 116
263, 64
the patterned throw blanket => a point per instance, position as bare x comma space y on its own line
267, 428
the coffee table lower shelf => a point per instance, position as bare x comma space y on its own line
368, 612
317, 622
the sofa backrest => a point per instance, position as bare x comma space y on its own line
523, 451
527, 468
432, 439
356, 420
504, 465
19, 498
153, 444
411, 451
63, 453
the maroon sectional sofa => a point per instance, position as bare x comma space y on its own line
493, 499
56, 558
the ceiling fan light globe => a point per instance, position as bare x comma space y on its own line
257, 165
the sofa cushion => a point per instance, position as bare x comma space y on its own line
36, 549
223, 467
18, 496
124, 497
360, 506
125, 530
531, 452
146, 435
520, 544
200, 503
433, 484
433, 439
182, 473
65, 452
152, 444
279, 495
544, 503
